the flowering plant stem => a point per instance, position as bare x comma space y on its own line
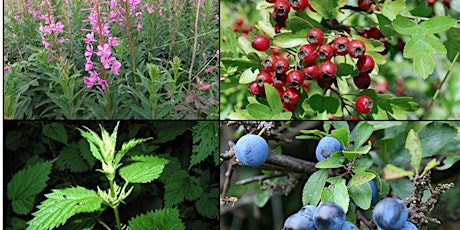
115, 209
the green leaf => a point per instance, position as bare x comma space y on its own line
62, 204
179, 186
144, 169
131, 144
94, 142
422, 49
437, 24
282, 116
385, 26
248, 76
55, 131
311, 193
259, 111
26, 184
205, 142
392, 8
433, 163
166, 218
415, 149
361, 150
273, 99
324, 103
263, 197
452, 43
362, 195
170, 130
360, 178
70, 159
361, 134
208, 204
336, 192
435, 136
289, 39
450, 160
83, 147
330, 163
403, 188
392, 172
341, 135
328, 9
405, 26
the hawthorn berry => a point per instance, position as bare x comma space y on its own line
281, 66
306, 85
325, 84
251, 150
446, 3
294, 78
327, 70
431, 2
279, 81
289, 107
307, 54
279, 18
365, 4
364, 104
264, 77
356, 48
271, 1
299, 5
362, 81
291, 95
281, 10
354, 118
340, 45
310, 71
260, 42
365, 64
374, 33
325, 52
254, 89
239, 21
279, 26
268, 63
315, 37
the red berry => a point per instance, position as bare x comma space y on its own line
387, 45
294, 78
268, 63
315, 37
306, 85
364, 104
365, 64
279, 81
299, 5
325, 52
254, 89
374, 33
289, 107
271, 1
291, 95
431, 2
275, 50
340, 45
446, 3
365, 4
264, 77
356, 48
327, 70
246, 29
239, 21
353, 118
279, 26
362, 81
310, 71
324, 84
281, 10
260, 42
235, 28
307, 53
280, 92
281, 66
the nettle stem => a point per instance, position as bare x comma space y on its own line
115, 209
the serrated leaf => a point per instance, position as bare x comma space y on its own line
205, 142
392, 8
170, 130
167, 218
273, 99
179, 186
422, 49
311, 193
391, 172
330, 163
85, 152
289, 39
144, 169
341, 135
336, 192
360, 134
328, 9
71, 160
248, 76
62, 204
450, 160
26, 184
415, 149
437, 24
208, 204
55, 131
404, 25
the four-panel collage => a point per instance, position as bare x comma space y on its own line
318, 115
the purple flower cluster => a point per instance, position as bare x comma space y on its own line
50, 29
100, 26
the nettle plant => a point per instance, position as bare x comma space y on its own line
333, 60
123, 175
354, 173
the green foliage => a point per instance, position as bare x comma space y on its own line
143, 169
56, 131
70, 158
205, 142
179, 186
207, 205
62, 204
167, 218
26, 184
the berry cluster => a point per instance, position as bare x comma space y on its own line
314, 64
327, 216
241, 28
282, 8
391, 214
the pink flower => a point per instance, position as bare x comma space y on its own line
45, 29
150, 10
89, 51
160, 13
210, 69
104, 50
6, 69
89, 38
208, 86
115, 67
103, 83
45, 43
113, 41
89, 65
138, 15
106, 60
